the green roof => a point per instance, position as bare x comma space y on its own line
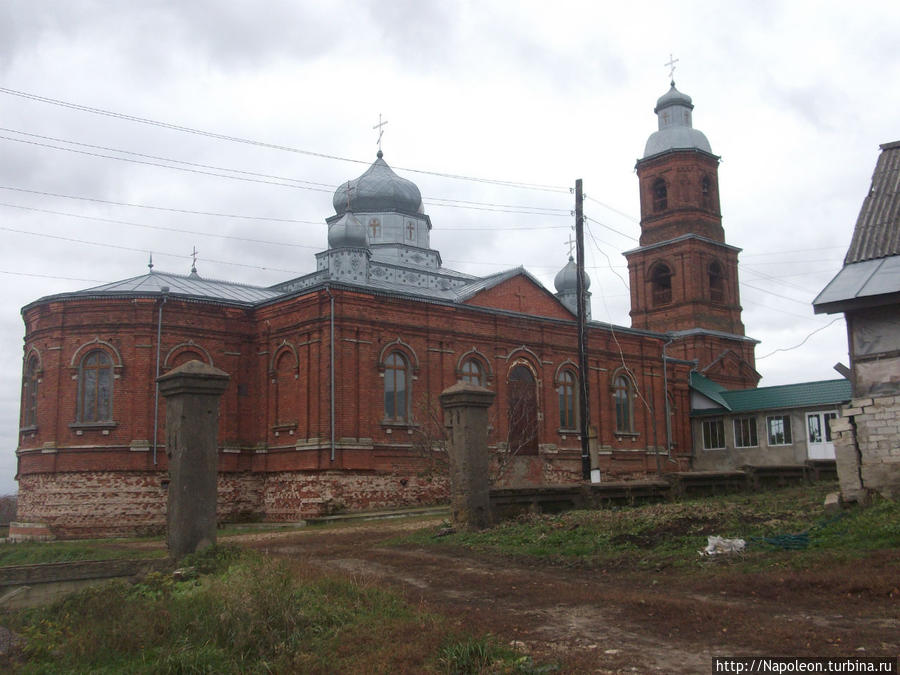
803, 395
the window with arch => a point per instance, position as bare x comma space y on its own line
522, 411
706, 192
184, 356
286, 388
661, 284
660, 195
396, 388
567, 387
623, 395
30, 392
472, 372
716, 282
95, 388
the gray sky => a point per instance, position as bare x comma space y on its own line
795, 97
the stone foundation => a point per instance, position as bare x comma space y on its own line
123, 504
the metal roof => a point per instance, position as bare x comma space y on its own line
781, 397
877, 231
191, 285
871, 272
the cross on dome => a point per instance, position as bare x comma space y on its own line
380, 127
671, 64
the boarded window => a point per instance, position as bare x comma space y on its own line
660, 195
567, 400
623, 396
523, 412
396, 388
29, 392
95, 388
472, 372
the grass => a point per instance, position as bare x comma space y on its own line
671, 534
245, 613
34, 552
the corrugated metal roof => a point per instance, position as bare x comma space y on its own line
781, 397
877, 232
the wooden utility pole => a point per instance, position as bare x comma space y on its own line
583, 406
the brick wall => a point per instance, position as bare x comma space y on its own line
867, 447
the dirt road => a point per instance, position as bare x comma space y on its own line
623, 621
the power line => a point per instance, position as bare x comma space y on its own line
142, 250
159, 208
612, 229
155, 227
272, 146
802, 342
49, 276
252, 176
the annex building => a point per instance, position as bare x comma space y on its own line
332, 402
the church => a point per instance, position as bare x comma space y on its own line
332, 402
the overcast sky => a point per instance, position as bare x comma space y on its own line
794, 96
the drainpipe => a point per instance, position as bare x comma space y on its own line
671, 339
331, 365
165, 293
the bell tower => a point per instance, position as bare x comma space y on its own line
684, 277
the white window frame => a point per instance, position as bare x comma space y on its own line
751, 429
720, 432
786, 429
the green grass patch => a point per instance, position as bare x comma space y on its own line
34, 552
673, 533
244, 613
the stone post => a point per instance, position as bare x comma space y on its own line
465, 406
192, 393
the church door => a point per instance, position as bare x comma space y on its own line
523, 412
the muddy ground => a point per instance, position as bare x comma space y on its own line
622, 620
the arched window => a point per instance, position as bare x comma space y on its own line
623, 397
29, 392
183, 357
706, 192
566, 388
396, 388
660, 195
95, 388
716, 282
523, 412
661, 284
286, 386
472, 372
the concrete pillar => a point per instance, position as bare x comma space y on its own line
465, 409
192, 393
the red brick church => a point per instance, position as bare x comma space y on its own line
332, 401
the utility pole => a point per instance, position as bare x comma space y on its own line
582, 334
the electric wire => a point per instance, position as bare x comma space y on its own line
272, 146
802, 342
252, 176
156, 227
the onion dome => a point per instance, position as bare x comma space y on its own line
566, 280
347, 232
673, 109
378, 190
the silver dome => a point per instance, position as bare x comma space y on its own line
676, 132
347, 232
566, 280
378, 190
